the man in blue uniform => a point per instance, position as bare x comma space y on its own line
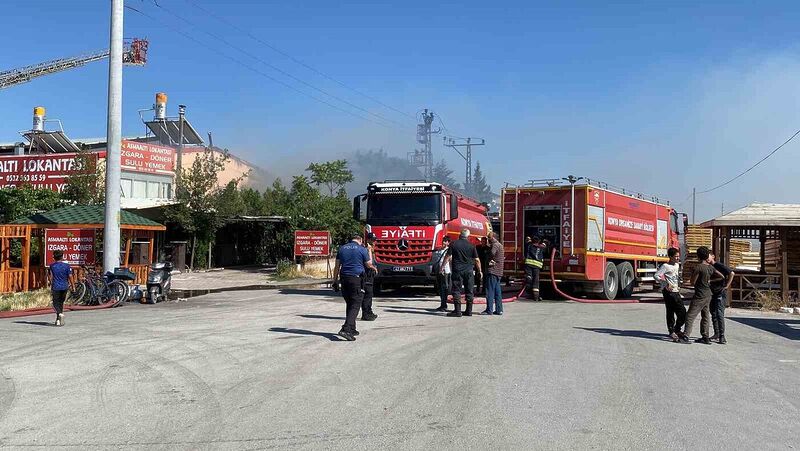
352, 261
60, 277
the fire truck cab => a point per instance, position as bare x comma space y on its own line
409, 220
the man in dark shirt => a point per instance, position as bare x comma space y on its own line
534, 261
704, 274
352, 260
484, 249
60, 275
463, 257
719, 293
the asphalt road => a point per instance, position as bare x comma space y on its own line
263, 369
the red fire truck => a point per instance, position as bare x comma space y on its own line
409, 219
605, 241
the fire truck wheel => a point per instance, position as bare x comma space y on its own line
610, 281
627, 279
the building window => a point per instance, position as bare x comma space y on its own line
127, 187
139, 189
167, 190
152, 190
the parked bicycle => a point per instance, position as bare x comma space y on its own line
94, 288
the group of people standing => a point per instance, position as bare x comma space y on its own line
459, 265
711, 281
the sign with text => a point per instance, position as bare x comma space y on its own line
48, 171
142, 157
78, 245
312, 242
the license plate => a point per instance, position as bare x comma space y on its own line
402, 268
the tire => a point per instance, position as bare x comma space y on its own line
610, 282
77, 296
152, 295
627, 280
119, 289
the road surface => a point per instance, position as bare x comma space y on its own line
264, 369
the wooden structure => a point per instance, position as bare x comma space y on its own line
27, 232
777, 229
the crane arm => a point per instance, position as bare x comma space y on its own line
134, 54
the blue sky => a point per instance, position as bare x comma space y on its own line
654, 96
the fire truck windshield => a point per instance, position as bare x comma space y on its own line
404, 209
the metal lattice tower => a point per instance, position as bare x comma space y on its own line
134, 53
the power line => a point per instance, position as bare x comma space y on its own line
307, 66
275, 68
255, 70
753, 166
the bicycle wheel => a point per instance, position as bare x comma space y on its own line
120, 289
77, 295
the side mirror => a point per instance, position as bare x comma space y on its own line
357, 208
453, 207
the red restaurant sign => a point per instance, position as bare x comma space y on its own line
141, 157
312, 242
48, 171
78, 245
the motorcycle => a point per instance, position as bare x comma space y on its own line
159, 282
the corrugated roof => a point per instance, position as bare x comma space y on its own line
759, 215
85, 214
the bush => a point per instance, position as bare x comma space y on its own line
24, 300
770, 300
286, 270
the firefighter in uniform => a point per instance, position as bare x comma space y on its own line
352, 261
369, 283
534, 261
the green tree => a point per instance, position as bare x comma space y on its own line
480, 190
198, 196
444, 175
333, 174
85, 184
22, 201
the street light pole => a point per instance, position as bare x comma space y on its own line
111, 234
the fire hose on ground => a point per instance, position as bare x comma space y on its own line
572, 298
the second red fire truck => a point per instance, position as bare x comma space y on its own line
605, 241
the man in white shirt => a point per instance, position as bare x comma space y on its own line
669, 276
443, 272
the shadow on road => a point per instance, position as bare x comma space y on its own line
786, 328
330, 336
626, 333
414, 312
35, 323
311, 292
338, 318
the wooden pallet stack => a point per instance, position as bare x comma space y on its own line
772, 255
696, 236
751, 260
737, 248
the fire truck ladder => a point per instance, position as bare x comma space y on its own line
134, 53
510, 225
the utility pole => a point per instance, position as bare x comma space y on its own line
111, 234
467, 143
424, 158
722, 209
179, 163
694, 203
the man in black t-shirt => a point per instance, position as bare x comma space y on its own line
703, 276
719, 293
463, 257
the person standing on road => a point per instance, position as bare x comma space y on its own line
702, 277
463, 257
60, 278
442, 268
352, 260
369, 283
719, 297
494, 292
534, 261
668, 275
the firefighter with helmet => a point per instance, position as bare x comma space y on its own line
534, 262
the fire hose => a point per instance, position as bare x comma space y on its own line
572, 298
